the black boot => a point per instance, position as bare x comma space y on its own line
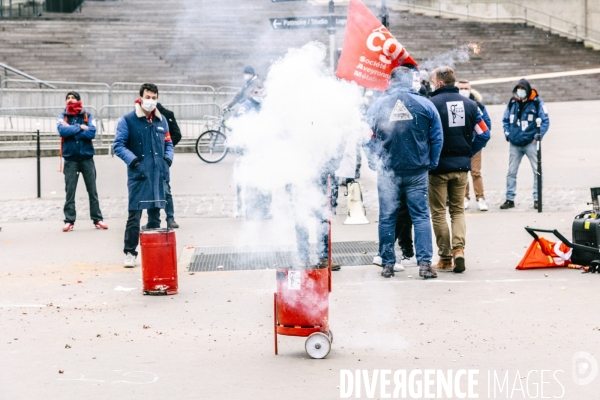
507, 204
388, 271
324, 263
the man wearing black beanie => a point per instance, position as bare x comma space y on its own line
77, 128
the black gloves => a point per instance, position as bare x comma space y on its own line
134, 163
168, 162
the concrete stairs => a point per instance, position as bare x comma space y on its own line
209, 42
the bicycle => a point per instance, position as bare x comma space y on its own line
211, 145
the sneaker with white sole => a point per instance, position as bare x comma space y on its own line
467, 202
397, 267
129, 261
482, 204
409, 261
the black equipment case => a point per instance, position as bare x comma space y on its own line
586, 232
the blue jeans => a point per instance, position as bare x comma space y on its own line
516, 154
322, 238
391, 187
302, 236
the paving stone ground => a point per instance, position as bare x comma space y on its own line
223, 206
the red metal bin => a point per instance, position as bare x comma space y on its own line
159, 261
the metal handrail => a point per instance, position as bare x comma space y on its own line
159, 85
8, 68
71, 84
525, 17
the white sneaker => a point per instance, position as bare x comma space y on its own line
482, 205
409, 262
466, 203
377, 261
129, 261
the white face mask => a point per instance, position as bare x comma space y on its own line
149, 105
259, 100
247, 77
464, 92
521, 93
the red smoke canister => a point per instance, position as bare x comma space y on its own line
302, 308
159, 261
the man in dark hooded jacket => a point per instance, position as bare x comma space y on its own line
520, 129
77, 128
407, 141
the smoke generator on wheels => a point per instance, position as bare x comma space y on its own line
301, 303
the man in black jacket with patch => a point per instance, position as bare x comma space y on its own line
175, 137
465, 134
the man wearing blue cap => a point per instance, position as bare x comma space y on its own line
249, 77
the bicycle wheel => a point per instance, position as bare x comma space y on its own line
211, 146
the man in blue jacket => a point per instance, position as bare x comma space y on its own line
407, 141
77, 128
520, 130
144, 143
465, 134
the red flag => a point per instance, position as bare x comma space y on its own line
370, 52
543, 253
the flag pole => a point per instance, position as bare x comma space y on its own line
331, 30
384, 15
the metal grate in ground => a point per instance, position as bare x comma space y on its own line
237, 258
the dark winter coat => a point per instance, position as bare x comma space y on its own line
407, 133
76, 142
476, 97
173, 127
242, 95
151, 145
519, 117
465, 132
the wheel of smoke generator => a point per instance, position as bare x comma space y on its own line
211, 146
330, 333
317, 345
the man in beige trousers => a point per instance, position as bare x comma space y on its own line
465, 134
464, 88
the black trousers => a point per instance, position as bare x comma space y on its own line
154, 219
132, 229
87, 169
404, 227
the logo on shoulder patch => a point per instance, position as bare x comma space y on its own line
400, 113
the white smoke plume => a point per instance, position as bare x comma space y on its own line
452, 57
306, 118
